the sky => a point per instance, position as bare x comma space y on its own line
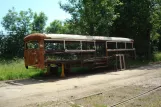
50, 7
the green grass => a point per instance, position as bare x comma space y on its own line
15, 69
136, 63
157, 56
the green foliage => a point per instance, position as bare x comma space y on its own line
155, 20
67, 28
18, 23
91, 17
15, 69
55, 27
17, 26
39, 22
59, 27
139, 20
157, 56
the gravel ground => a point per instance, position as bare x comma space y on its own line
101, 89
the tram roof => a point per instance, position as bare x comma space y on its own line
89, 38
72, 37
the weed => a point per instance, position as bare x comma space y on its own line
10, 70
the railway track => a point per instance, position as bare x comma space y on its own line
121, 102
124, 101
72, 100
126, 78
135, 97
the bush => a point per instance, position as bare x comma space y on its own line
157, 56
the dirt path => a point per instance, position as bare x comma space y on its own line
73, 90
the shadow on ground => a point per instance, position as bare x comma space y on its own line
54, 77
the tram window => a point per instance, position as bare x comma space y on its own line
100, 49
73, 45
111, 45
120, 45
54, 45
88, 46
129, 45
32, 45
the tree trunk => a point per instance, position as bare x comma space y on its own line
149, 45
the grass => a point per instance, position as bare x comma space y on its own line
157, 56
137, 62
15, 69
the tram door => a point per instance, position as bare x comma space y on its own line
100, 49
31, 53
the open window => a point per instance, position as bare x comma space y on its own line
32, 45
88, 45
72, 45
111, 45
100, 49
120, 45
54, 45
129, 45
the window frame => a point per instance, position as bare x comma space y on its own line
27, 48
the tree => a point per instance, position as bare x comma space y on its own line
92, 17
140, 20
39, 22
1, 42
155, 20
67, 28
17, 26
15, 23
135, 22
55, 27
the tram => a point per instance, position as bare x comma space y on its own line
66, 50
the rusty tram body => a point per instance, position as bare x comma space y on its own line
66, 51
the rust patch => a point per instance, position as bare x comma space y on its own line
35, 57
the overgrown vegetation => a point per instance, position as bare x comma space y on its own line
15, 69
157, 56
139, 20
